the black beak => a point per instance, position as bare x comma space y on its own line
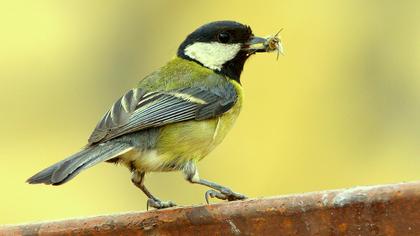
256, 44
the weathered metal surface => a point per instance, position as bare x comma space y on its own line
377, 210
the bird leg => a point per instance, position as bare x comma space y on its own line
217, 191
138, 180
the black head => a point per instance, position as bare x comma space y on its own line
220, 46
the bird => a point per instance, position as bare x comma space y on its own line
176, 115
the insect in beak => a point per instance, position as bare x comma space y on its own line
267, 44
273, 43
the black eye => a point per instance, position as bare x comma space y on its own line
223, 37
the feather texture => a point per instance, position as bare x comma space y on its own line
66, 169
158, 108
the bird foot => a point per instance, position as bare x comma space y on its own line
158, 204
225, 194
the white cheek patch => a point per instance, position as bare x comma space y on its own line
212, 55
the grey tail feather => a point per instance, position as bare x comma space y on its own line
68, 168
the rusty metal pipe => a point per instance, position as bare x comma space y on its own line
377, 210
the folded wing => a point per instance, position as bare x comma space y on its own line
138, 109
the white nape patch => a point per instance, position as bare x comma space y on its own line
212, 55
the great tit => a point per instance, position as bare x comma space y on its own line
176, 115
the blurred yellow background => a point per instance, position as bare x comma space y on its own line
342, 108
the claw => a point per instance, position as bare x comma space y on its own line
236, 196
214, 194
225, 194
158, 204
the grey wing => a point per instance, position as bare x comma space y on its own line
138, 110
119, 114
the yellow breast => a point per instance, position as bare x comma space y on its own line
225, 122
